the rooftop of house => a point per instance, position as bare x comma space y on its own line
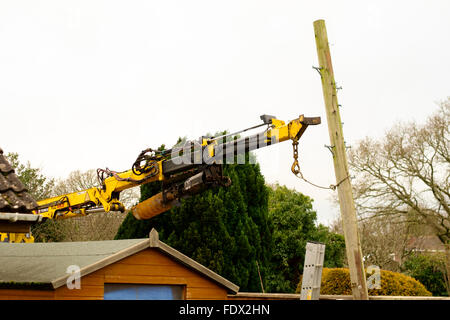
425, 243
13, 194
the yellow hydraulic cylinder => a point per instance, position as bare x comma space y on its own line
153, 206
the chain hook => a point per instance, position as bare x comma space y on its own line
296, 168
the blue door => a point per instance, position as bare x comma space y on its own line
125, 291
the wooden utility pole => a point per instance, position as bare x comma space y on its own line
344, 187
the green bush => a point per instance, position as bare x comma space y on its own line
336, 281
429, 270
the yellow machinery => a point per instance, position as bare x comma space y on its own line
183, 171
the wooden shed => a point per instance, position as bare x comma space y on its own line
116, 269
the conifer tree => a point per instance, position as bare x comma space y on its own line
224, 229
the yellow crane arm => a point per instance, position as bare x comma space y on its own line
183, 171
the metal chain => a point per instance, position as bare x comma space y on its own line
297, 172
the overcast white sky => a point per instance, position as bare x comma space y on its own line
88, 84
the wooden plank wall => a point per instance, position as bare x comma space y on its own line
146, 267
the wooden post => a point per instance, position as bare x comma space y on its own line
344, 188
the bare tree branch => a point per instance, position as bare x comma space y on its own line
406, 174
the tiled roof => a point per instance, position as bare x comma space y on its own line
13, 194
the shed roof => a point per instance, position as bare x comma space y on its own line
45, 264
